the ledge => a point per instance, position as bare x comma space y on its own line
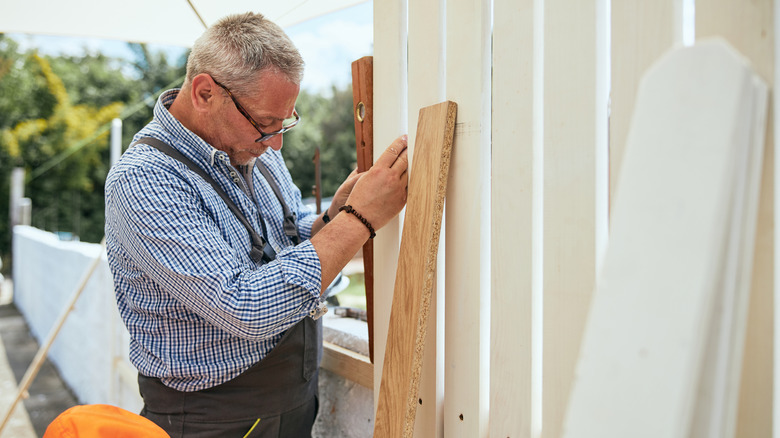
345, 349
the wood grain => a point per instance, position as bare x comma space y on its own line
347, 364
363, 114
514, 222
398, 397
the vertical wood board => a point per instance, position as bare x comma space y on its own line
416, 267
641, 32
363, 112
426, 87
719, 385
363, 109
644, 346
390, 107
749, 27
512, 224
467, 321
570, 161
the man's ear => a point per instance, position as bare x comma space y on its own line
203, 92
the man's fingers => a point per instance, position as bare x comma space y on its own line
391, 154
402, 162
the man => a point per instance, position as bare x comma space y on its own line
218, 302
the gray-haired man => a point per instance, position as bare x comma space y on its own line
217, 265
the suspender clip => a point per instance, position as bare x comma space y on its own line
317, 312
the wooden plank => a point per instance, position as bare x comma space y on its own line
641, 32
363, 105
515, 34
347, 364
426, 66
398, 398
749, 27
467, 253
716, 407
668, 250
390, 108
574, 141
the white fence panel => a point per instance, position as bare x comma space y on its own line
515, 217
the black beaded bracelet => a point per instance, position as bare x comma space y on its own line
325, 217
350, 210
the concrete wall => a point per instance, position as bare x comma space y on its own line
92, 350
92, 346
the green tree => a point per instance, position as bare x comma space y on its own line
326, 123
153, 73
66, 194
53, 106
24, 96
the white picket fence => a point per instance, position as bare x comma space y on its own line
545, 92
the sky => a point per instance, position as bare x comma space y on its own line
328, 45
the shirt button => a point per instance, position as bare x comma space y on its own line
235, 180
233, 174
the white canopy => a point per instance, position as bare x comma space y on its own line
169, 22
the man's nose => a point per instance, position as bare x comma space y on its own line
274, 142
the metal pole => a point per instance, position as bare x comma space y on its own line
17, 193
116, 140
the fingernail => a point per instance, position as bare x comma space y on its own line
404, 137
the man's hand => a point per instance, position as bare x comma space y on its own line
380, 193
340, 198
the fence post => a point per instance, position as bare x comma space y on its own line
427, 35
515, 402
749, 27
390, 115
575, 128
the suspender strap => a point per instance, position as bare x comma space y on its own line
290, 229
261, 252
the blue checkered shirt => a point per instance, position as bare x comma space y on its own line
198, 309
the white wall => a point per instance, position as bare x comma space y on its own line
46, 273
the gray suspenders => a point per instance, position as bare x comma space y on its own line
290, 228
261, 251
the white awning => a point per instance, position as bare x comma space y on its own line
169, 22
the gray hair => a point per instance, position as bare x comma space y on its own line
238, 47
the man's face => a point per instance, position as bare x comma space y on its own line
271, 105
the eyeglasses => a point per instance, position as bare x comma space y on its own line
287, 124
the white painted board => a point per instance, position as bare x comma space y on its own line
644, 344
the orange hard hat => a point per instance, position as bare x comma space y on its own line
102, 421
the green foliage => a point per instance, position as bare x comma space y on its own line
54, 118
325, 123
65, 195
